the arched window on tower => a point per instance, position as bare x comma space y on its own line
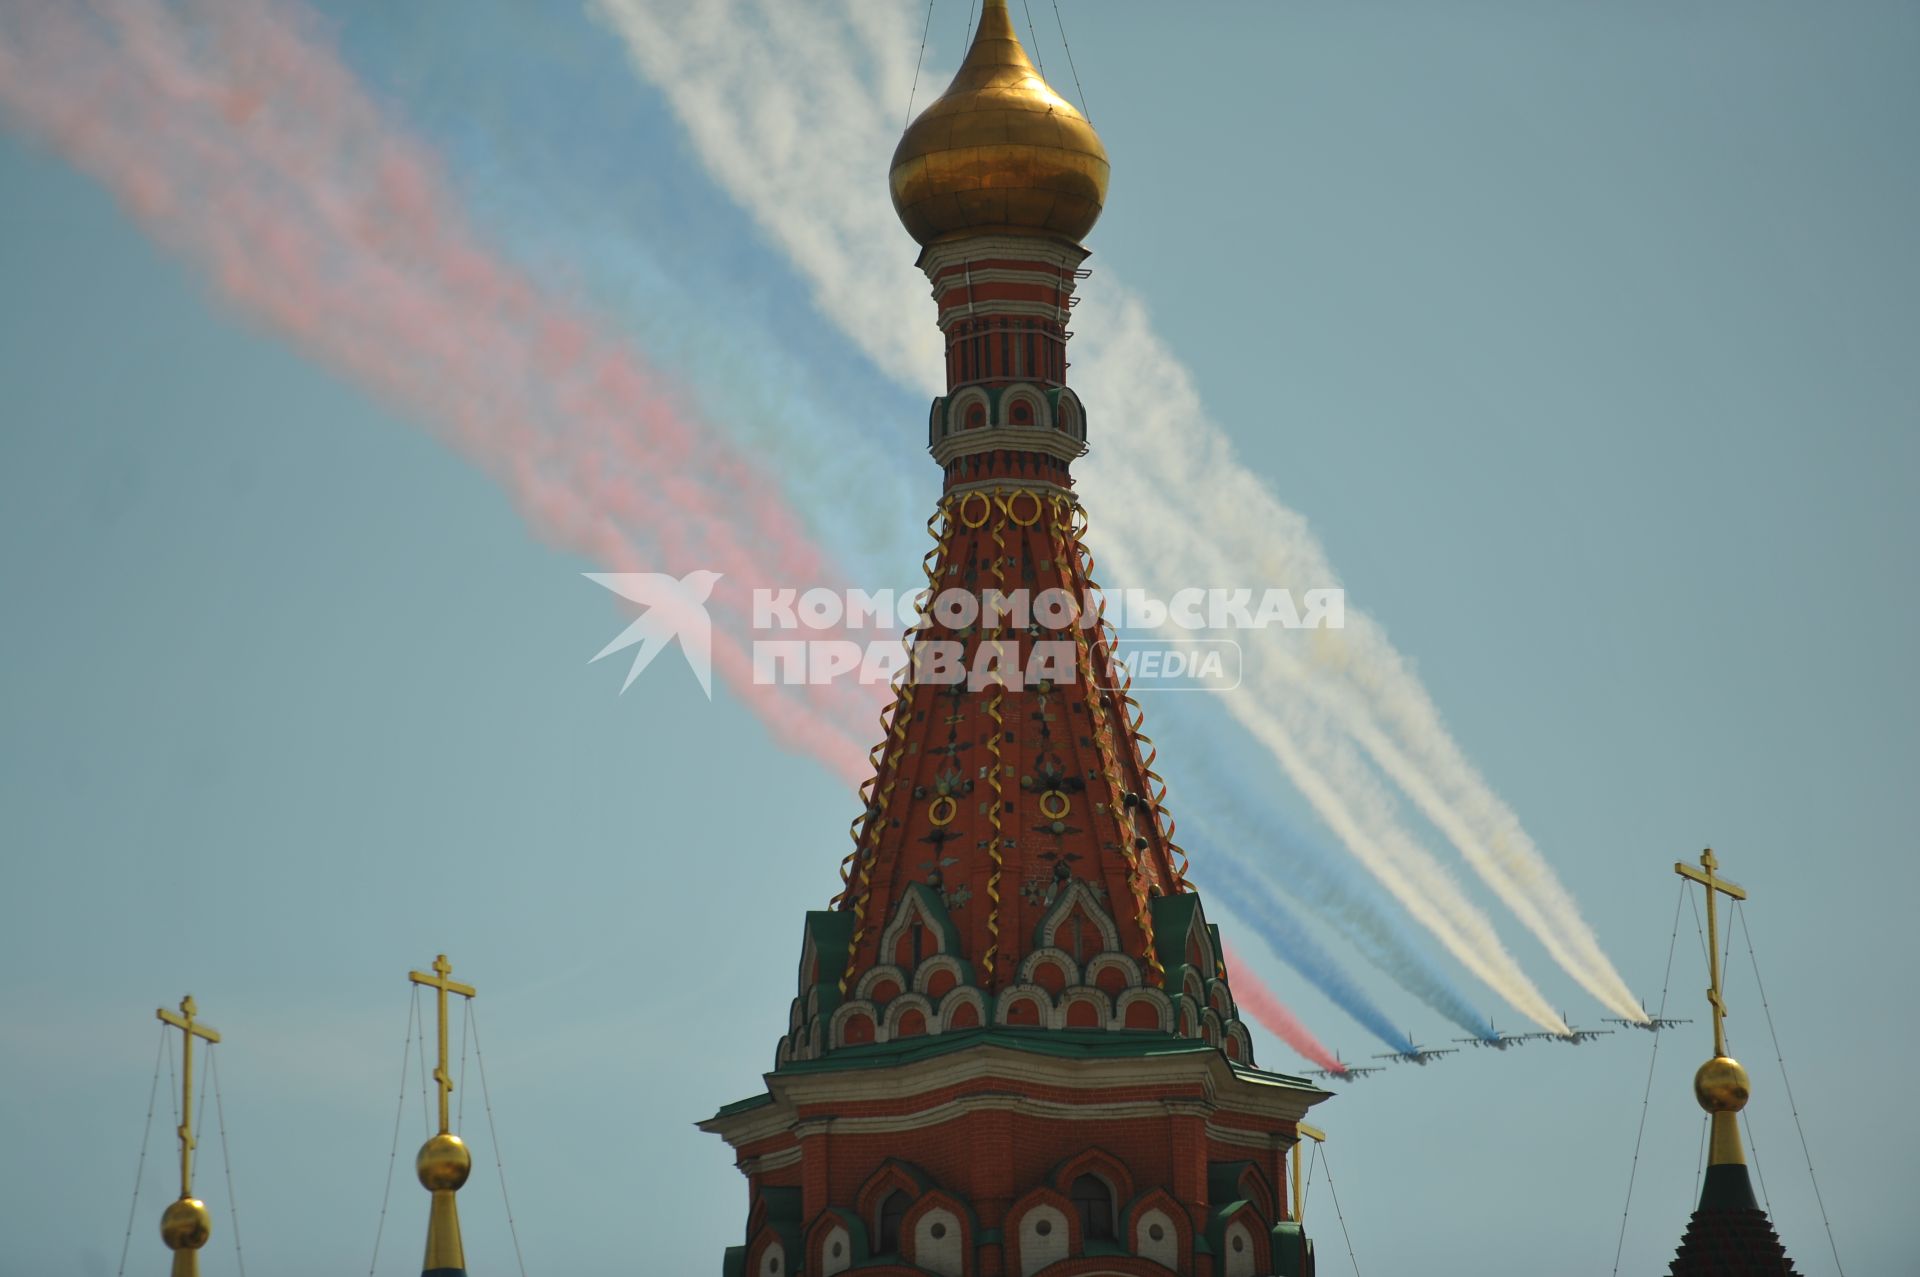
1093, 1202
893, 1212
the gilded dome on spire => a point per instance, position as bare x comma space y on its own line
999, 150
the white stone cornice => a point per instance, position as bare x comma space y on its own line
1010, 483
938, 257
994, 1076
1003, 1080
771, 1161
967, 443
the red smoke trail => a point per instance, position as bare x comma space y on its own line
244, 145
241, 145
1255, 997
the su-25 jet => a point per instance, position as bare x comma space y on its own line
1574, 1035
1500, 1040
1346, 1072
1416, 1054
1652, 1023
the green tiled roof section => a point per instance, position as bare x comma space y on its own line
1292, 1252
742, 1106
937, 910
829, 932
783, 1217
783, 1205
1217, 1219
1172, 918
856, 1234
1223, 1180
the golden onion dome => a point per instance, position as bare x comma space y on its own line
999, 150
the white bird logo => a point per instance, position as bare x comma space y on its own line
672, 607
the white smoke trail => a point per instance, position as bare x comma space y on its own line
790, 104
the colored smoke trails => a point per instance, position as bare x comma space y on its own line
844, 452
1324, 883
1228, 882
827, 75
1254, 998
248, 149
331, 229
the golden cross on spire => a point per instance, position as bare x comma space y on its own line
1707, 878
442, 985
185, 1226
189, 1030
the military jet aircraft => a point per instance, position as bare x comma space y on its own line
1652, 1024
1416, 1054
1500, 1041
1347, 1072
1575, 1035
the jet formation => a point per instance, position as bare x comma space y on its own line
1493, 1040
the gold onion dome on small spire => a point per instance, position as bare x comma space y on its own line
999, 151
1721, 1085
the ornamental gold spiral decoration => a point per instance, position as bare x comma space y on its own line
1080, 564
856, 871
1156, 794
998, 649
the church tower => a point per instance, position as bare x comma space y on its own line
1013, 1049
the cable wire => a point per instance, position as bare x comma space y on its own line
140, 1169
1084, 108
226, 1159
1792, 1107
173, 1086
494, 1135
1331, 1192
420, 1021
1753, 1151
466, 1011
1033, 35
916, 64
399, 1111
1665, 982
1700, 1158
200, 1118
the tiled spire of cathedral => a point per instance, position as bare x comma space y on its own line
1014, 817
1013, 1043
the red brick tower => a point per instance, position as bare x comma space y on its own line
1013, 1048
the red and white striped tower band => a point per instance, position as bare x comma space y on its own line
1013, 1047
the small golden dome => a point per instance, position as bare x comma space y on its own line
186, 1225
443, 1164
1721, 1085
999, 150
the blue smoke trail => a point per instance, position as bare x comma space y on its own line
1215, 790
1227, 882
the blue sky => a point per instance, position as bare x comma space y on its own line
1582, 334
